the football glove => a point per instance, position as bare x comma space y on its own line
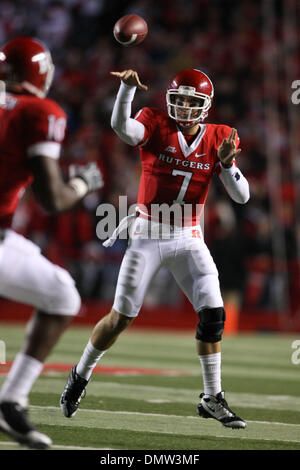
90, 174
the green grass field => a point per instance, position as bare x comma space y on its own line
127, 409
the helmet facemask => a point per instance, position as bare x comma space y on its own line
195, 112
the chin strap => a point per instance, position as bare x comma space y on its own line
188, 124
33, 89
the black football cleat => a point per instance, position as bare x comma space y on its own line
14, 422
72, 394
217, 407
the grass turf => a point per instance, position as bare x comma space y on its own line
159, 411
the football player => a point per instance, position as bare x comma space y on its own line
179, 156
32, 128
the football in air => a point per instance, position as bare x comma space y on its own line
130, 30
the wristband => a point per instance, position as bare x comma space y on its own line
229, 170
226, 167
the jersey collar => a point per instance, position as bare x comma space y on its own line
185, 148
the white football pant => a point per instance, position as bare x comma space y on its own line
28, 277
184, 254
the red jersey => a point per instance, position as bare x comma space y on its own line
29, 126
172, 170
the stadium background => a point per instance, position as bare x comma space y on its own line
251, 52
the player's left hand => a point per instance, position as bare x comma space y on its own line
227, 150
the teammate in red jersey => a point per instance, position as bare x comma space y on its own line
179, 156
32, 129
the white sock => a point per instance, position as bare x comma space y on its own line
21, 377
88, 361
211, 372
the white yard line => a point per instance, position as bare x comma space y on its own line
148, 393
54, 446
96, 419
161, 415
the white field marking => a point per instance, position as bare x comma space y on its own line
53, 446
265, 439
174, 395
274, 422
166, 424
161, 415
158, 401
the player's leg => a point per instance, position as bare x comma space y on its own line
42, 333
108, 329
196, 273
139, 265
104, 334
28, 277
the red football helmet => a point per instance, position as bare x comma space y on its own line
26, 65
193, 86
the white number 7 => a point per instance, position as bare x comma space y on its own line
185, 183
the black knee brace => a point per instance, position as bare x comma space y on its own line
211, 325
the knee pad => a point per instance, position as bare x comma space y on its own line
211, 325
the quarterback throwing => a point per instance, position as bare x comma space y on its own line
179, 156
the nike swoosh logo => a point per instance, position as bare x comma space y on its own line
197, 155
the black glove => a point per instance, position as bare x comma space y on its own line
90, 174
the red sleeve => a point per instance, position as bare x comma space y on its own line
147, 117
45, 125
223, 132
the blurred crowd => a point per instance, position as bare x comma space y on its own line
250, 50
